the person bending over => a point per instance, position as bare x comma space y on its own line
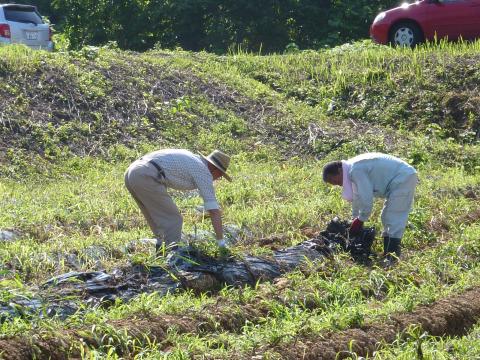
371, 175
148, 178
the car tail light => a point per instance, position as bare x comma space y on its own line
5, 31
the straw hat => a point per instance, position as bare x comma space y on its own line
220, 160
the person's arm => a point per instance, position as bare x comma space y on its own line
204, 182
355, 202
216, 217
362, 195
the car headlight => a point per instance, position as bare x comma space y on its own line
379, 17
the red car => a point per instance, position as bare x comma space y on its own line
410, 24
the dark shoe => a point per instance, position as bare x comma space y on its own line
391, 246
389, 261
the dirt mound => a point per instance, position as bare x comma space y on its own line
35, 347
86, 107
450, 316
94, 106
15, 348
142, 327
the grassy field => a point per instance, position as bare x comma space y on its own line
70, 123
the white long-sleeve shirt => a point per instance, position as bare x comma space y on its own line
374, 175
186, 171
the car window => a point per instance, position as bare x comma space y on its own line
22, 15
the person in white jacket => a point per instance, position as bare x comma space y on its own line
371, 175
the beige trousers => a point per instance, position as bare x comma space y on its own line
162, 215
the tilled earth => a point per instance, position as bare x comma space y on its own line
452, 316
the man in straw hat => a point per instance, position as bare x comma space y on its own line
372, 175
148, 178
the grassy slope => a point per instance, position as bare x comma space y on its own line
72, 123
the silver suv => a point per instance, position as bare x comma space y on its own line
22, 24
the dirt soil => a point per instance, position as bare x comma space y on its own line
452, 316
144, 327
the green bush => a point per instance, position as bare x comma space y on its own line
212, 25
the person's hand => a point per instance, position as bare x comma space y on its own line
356, 226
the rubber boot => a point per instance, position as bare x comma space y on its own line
391, 250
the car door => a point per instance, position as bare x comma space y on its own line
475, 13
26, 26
453, 19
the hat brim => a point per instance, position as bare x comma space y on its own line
224, 174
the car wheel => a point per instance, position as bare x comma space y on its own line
406, 34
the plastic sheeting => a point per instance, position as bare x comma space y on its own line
186, 268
